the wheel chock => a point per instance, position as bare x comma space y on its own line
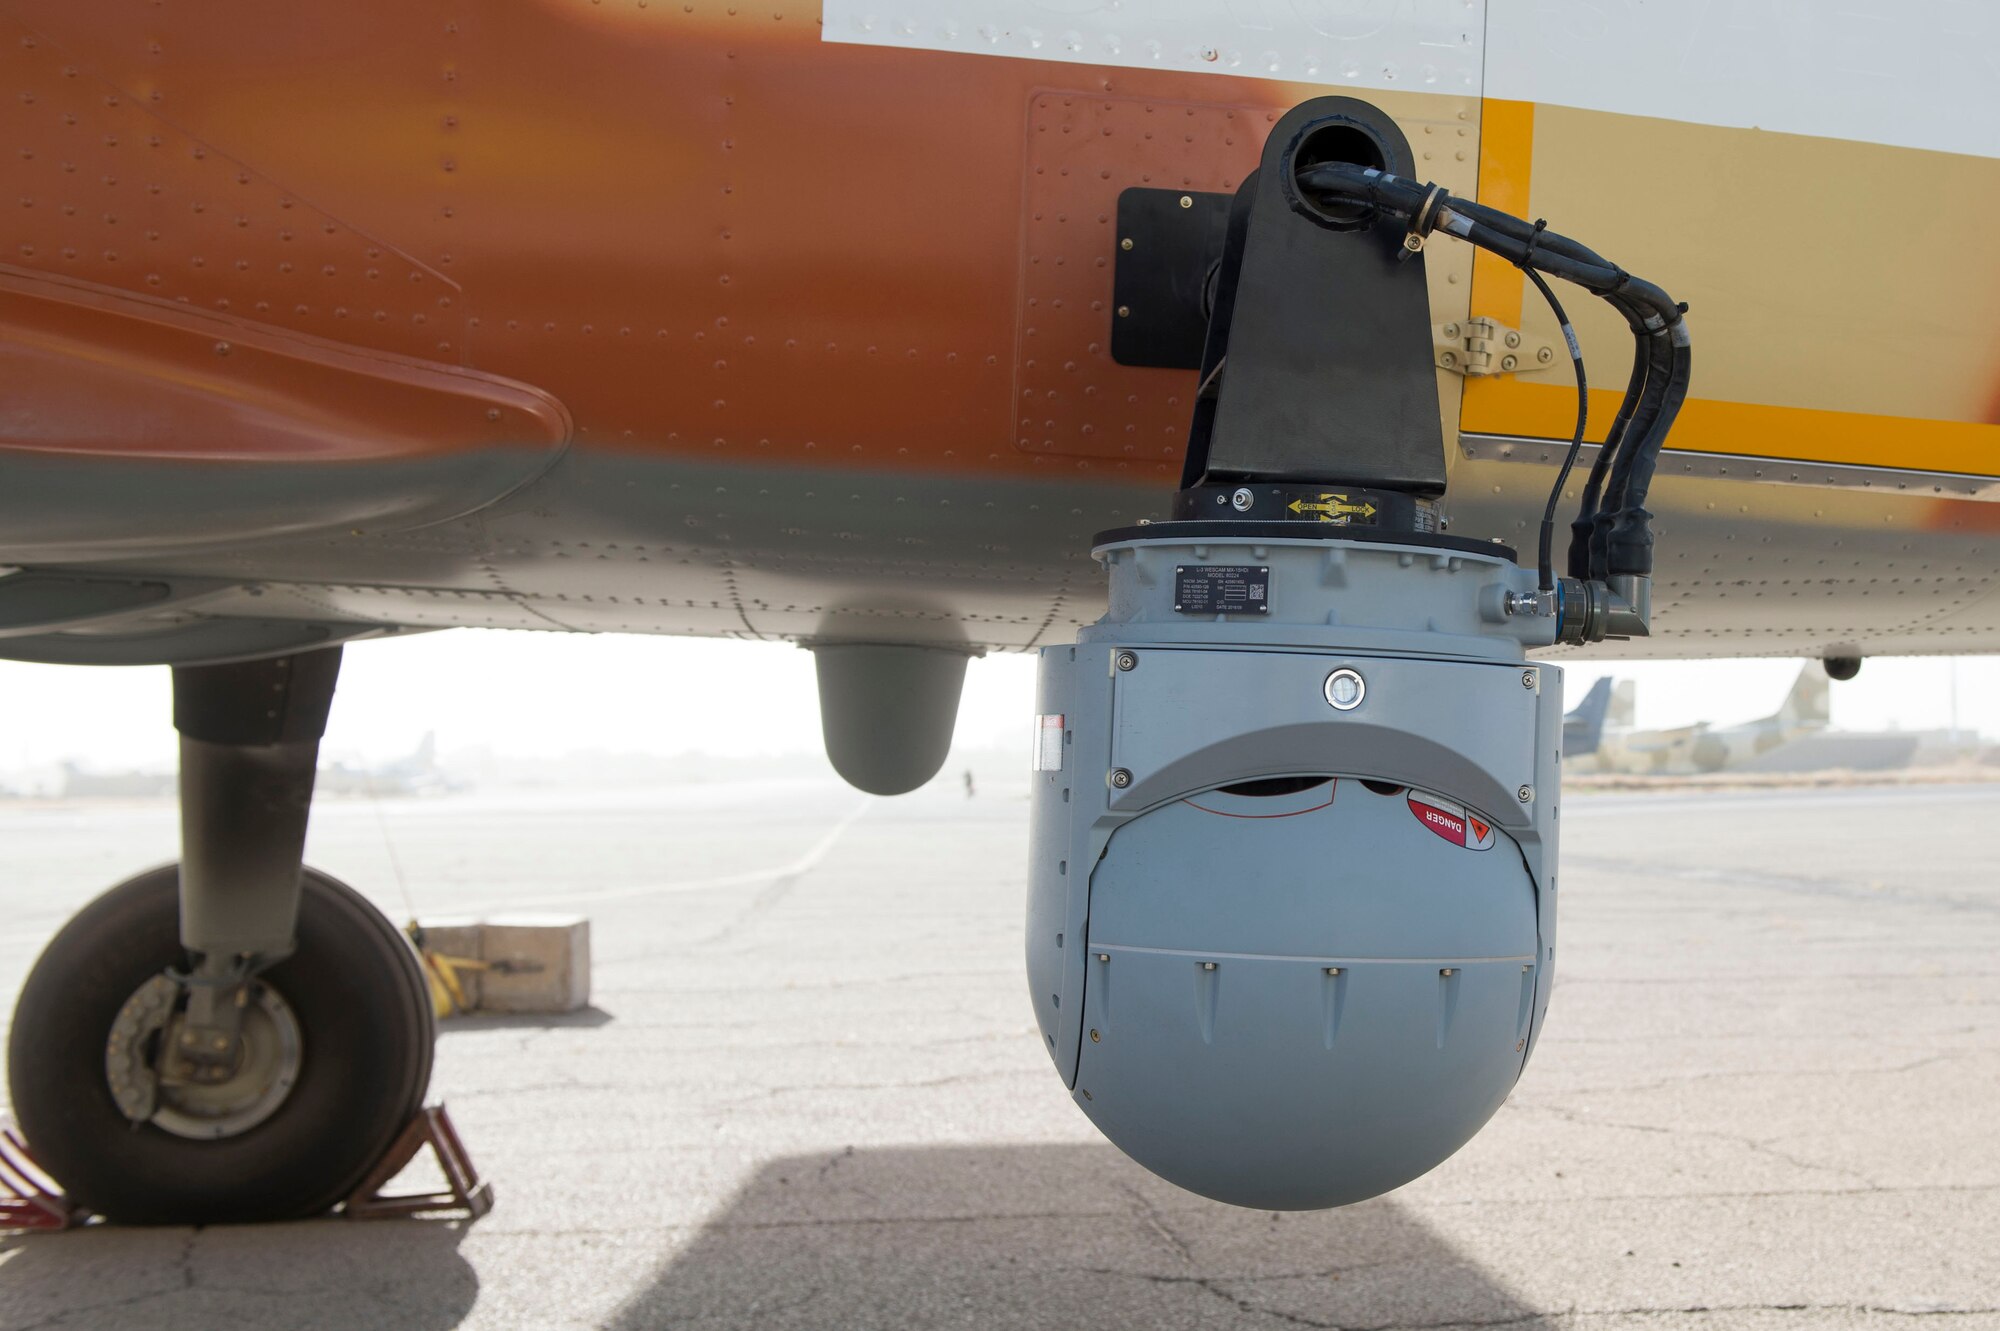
30, 1199
449, 976
465, 1193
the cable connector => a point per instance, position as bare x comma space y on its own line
1539, 604
1591, 611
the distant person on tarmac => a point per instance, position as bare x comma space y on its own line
968, 783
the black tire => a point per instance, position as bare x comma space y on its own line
366, 1034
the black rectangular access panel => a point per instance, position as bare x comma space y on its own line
1169, 241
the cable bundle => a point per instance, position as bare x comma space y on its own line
1611, 534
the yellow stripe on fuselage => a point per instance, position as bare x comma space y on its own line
1506, 156
1505, 404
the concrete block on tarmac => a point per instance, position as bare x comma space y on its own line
535, 963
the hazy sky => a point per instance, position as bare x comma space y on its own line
546, 693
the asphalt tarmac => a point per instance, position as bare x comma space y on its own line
810, 1093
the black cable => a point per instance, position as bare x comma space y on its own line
1490, 229
1641, 433
1630, 543
1612, 537
1639, 387
1600, 468
1545, 550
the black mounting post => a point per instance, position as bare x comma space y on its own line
1317, 369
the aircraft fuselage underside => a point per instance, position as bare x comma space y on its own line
1801, 560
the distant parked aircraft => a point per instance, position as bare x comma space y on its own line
417, 773
1609, 743
1608, 704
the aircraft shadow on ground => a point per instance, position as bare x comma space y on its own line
400, 1274
1059, 1236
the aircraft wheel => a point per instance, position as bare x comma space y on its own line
333, 1058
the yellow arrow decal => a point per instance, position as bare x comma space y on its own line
1333, 508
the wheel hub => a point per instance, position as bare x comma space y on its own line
214, 1097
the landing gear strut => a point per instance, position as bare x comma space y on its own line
236, 1037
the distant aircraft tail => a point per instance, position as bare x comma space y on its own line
1624, 711
1807, 704
1583, 729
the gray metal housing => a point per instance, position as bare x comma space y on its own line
1301, 999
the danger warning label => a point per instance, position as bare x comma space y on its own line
1452, 821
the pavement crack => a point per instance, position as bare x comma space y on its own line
768, 898
1215, 1287
534, 1087
1761, 1145
835, 1161
1156, 1222
181, 1269
862, 1221
956, 1079
1721, 1074
1814, 1309
750, 1316
90, 1314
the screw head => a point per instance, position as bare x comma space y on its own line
1527, 679
1124, 311
1513, 339
1242, 499
1125, 244
1545, 354
1451, 330
1525, 794
1128, 660
1448, 360
1508, 362
1094, 1036
1187, 201
1120, 778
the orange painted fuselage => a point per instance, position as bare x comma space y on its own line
678, 317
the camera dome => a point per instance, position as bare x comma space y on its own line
1304, 992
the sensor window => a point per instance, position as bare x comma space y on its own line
1345, 689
